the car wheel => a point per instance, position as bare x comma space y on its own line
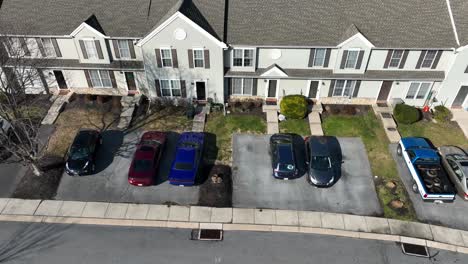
399, 150
415, 188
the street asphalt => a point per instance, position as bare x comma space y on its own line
110, 183
449, 214
255, 187
57, 244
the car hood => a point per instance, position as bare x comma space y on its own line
322, 176
76, 164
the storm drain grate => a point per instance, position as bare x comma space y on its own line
382, 104
386, 115
207, 234
391, 129
415, 250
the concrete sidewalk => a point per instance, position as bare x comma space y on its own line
461, 117
265, 220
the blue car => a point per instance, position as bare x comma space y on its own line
187, 159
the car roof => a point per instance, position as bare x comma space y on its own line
319, 145
425, 153
185, 155
415, 142
145, 152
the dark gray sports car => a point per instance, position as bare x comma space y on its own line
324, 160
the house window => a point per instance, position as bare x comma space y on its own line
418, 90
100, 79
242, 86
170, 88
344, 88
395, 60
198, 58
166, 57
243, 57
49, 48
429, 59
91, 49
319, 58
16, 48
351, 59
124, 49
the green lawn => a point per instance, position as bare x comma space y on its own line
224, 126
439, 133
370, 129
297, 126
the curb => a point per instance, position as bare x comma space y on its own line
233, 219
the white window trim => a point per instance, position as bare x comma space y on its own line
86, 48
315, 56
318, 88
162, 59
399, 62
120, 49
267, 85
203, 57
347, 56
170, 89
431, 84
100, 79
432, 62
243, 87
243, 57
200, 81
344, 86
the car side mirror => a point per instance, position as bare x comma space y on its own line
342, 161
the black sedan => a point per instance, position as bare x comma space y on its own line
324, 160
283, 159
81, 158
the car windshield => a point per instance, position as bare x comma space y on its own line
320, 163
77, 153
142, 165
150, 143
188, 145
184, 166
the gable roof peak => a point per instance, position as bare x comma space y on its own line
93, 22
351, 31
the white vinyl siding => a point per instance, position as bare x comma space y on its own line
91, 49
418, 90
166, 58
351, 59
344, 88
242, 86
100, 79
124, 49
170, 88
199, 58
319, 58
243, 57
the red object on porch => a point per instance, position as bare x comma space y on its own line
426, 109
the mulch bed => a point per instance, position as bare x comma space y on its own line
353, 110
216, 191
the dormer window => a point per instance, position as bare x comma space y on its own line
91, 49
351, 59
243, 57
124, 49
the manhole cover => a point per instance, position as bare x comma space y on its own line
386, 115
382, 104
391, 129
207, 234
415, 250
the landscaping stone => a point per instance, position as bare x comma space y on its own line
310, 219
287, 217
3, 203
265, 217
221, 215
355, 223
72, 209
377, 225
95, 210
49, 208
332, 221
179, 213
410, 229
158, 212
200, 214
243, 216
116, 210
447, 235
137, 211
21, 207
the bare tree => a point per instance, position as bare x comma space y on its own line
20, 74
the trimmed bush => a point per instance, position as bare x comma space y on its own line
294, 106
442, 114
406, 114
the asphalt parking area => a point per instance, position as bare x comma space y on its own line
255, 187
110, 183
449, 214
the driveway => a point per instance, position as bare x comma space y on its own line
255, 187
110, 182
448, 214
11, 173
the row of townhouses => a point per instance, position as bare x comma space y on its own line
341, 50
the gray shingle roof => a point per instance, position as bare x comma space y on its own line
460, 15
75, 64
386, 23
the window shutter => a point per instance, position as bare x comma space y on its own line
343, 59
157, 85
327, 58
421, 57
254, 87
43, 80
389, 57
83, 50
311, 57
132, 49
190, 58
112, 77
356, 88
88, 79
207, 58
41, 47
437, 59
359, 60
24, 46
7, 44
99, 49
183, 89
403, 59
158, 58
116, 48
56, 48
332, 86
175, 61
229, 89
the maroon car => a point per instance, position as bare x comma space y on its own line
146, 159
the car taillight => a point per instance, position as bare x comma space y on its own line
466, 196
425, 195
